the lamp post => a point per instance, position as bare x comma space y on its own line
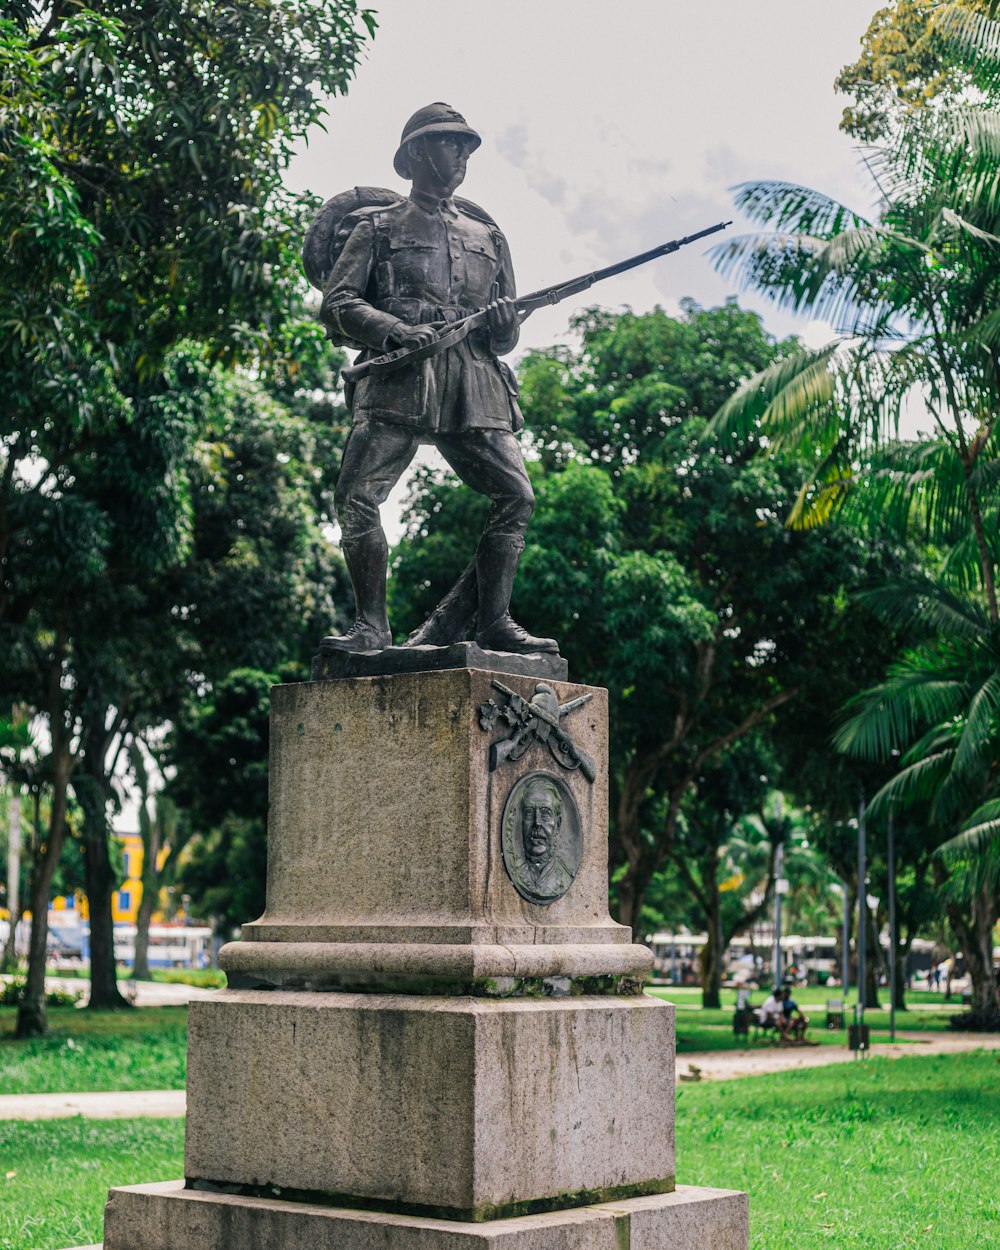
780, 886
859, 1011
845, 940
892, 925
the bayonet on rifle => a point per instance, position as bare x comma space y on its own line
526, 305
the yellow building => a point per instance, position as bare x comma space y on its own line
125, 900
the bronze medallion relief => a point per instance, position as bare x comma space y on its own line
540, 837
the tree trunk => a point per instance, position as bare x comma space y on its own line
8, 961
632, 890
899, 986
31, 1019
140, 969
92, 793
711, 966
873, 960
975, 935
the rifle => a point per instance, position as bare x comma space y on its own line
526, 305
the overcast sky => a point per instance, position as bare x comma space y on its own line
609, 128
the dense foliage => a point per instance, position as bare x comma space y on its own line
142, 149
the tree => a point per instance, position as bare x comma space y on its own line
907, 62
659, 562
916, 293
727, 900
939, 706
163, 838
141, 191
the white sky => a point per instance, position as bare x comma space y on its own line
609, 128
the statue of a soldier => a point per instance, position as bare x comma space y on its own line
404, 270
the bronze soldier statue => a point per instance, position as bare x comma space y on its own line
406, 270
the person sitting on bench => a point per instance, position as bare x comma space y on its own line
795, 1022
770, 1014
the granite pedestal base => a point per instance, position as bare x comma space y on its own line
423, 1046
385, 869
460, 1108
170, 1217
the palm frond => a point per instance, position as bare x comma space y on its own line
788, 206
917, 487
782, 400
975, 37
928, 605
817, 501
961, 225
974, 853
985, 332
806, 273
917, 784
978, 742
962, 564
886, 717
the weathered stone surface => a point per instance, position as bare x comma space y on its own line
331, 665
432, 968
169, 1217
457, 1107
384, 827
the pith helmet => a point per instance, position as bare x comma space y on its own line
434, 119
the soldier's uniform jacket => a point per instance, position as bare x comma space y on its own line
424, 260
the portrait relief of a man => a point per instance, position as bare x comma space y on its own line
541, 838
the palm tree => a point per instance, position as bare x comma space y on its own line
939, 707
915, 297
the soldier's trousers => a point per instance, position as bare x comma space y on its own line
487, 460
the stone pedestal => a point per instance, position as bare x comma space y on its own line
433, 1039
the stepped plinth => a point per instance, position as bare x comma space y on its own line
434, 1038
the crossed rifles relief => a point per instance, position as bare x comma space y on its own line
537, 720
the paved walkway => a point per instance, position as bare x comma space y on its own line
148, 993
715, 1065
119, 1106
726, 1065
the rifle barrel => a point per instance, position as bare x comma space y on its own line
560, 289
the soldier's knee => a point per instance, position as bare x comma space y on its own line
357, 512
523, 505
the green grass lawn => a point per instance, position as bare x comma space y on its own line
58, 1173
877, 1155
145, 1048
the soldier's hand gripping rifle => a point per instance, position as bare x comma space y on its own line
526, 305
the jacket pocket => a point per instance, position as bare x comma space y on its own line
513, 395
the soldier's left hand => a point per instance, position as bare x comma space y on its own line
502, 318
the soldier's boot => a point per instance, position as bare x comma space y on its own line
496, 564
367, 560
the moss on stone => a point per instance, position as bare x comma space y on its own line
474, 1215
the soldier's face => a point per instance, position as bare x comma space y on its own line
445, 157
539, 822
